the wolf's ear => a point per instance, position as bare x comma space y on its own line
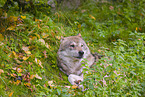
79, 35
62, 38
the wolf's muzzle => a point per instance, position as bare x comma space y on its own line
81, 53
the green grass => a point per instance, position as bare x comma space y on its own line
29, 44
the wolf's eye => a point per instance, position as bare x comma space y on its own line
82, 45
72, 45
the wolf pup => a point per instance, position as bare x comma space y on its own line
72, 51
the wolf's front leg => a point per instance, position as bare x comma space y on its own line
75, 79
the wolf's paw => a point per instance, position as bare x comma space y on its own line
75, 79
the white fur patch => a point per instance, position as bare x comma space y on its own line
72, 78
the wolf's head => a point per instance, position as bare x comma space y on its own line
74, 46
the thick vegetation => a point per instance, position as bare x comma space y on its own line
29, 44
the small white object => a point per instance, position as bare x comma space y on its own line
72, 78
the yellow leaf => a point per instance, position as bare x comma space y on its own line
11, 28
11, 94
92, 17
17, 82
1, 71
19, 70
13, 75
37, 35
28, 52
58, 37
44, 35
15, 55
23, 17
15, 18
32, 76
25, 58
37, 20
27, 84
74, 87
136, 29
79, 26
99, 50
1, 37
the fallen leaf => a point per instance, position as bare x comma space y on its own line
28, 52
23, 17
15, 55
40, 64
38, 77
74, 87
11, 94
45, 55
25, 58
67, 86
2, 29
32, 76
44, 35
27, 84
50, 84
47, 46
37, 35
42, 41
17, 82
25, 48
13, 75
1, 37
19, 70
11, 28
92, 17
1, 71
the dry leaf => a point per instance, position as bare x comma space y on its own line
19, 70
92, 17
27, 84
1, 37
28, 52
11, 28
1, 71
25, 58
47, 46
74, 87
17, 82
42, 41
40, 64
32, 76
67, 86
25, 48
15, 55
50, 84
11, 94
38, 77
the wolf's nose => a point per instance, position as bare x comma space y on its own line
81, 52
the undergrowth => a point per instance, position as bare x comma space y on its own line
29, 44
